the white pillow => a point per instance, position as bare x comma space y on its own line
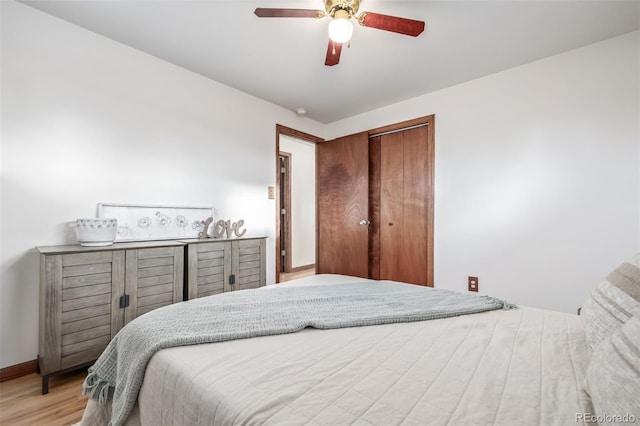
613, 302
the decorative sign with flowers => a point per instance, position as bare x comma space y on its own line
149, 222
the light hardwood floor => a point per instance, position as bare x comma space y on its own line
299, 274
22, 403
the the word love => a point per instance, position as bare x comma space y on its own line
223, 228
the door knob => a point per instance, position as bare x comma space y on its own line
365, 222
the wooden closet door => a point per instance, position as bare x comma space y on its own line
405, 207
342, 203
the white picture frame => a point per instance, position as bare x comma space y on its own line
139, 222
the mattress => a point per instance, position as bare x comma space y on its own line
522, 366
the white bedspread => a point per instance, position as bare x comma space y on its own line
523, 366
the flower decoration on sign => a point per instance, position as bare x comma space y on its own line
181, 221
198, 225
162, 219
144, 222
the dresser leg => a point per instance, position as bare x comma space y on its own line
45, 384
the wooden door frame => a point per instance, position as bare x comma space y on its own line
283, 130
287, 219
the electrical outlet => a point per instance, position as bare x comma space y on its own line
271, 193
473, 284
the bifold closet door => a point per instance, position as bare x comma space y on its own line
342, 206
405, 207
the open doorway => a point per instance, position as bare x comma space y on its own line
295, 204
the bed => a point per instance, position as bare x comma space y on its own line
502, 367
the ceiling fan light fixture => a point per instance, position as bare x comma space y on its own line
340, 30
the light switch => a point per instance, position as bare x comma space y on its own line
272, 193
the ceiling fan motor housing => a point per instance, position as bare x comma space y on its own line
350, 6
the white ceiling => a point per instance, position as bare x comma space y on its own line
281, 60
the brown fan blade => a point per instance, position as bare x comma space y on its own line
394, 24
288, 13
333, 53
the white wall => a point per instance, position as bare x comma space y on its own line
537, 173
86, 120
303, 199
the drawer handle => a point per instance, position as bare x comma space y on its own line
232, 279
124, 301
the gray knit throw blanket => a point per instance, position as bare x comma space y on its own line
119, 371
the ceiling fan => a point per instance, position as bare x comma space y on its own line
340, 28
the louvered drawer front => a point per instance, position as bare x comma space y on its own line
210, 274
86, 306
249, 264
156, 276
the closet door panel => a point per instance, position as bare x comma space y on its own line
392, 223
413, 262
342, 202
